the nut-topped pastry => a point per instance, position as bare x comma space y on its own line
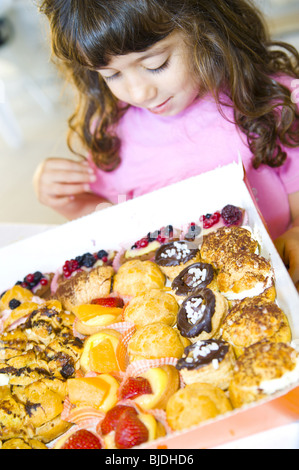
209, 361
193, 277
263, 369
221, 243
245, 275
253, 320
175, 256
200, 315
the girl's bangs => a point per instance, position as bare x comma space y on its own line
97, 34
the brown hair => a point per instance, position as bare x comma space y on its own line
232, 53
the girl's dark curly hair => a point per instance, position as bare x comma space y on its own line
232, 55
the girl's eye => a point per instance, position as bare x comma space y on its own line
159, 69
112, 77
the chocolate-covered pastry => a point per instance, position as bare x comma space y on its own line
193, 277
208, 361
201, 314
173, 257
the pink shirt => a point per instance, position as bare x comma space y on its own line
157, 151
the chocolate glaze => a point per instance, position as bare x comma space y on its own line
185, 282
170, 254
203, 353
204, 322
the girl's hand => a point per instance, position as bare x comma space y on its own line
288, 248
58, 180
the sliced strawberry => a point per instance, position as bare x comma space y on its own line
134, 387
82, 439
113, 416
130, 432
109, 302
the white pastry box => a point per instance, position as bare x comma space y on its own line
119, 225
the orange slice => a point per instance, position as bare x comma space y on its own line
88, 391
102, 358
89, 312
16, 292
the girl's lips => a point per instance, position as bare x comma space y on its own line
160, 108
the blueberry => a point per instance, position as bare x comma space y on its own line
37, 276
101, 254
14, 303
88, 260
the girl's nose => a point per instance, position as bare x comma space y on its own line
142, 92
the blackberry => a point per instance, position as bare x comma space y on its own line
231, 215
88, 260
14, 303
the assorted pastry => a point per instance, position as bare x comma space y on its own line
118, 348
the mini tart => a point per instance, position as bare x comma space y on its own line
155, 341
201, 314
210, 361
253, 320
85, 286
263, 369
245, 275
175, 256
164, 382
193, 277
135, 277
195, 404
153, 306
221, 243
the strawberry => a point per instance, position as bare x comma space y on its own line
134, 387
130, 431
109, 302
113, 416
82, 439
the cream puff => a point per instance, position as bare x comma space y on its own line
193, 277
201, 314
253, 320
245, 275
224, 242
173, 257
85, 286
155, 341
209, 361
262, 370
195, 404
135, 277
153, 306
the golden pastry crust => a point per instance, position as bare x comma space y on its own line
135, 277
221, 243
243, 273
253, 320
260, 363
153, 306
23, 444
211, 361
201, 314
155, 341
173, 257
195, 404
85, 286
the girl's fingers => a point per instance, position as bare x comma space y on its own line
60, 189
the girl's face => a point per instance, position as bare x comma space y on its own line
159, 79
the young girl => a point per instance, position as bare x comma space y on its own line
168, 89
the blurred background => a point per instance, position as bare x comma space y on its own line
35, 103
